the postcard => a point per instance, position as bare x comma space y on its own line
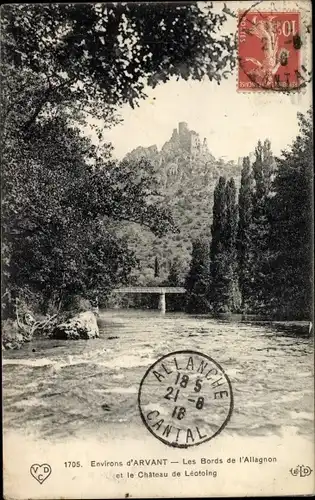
157, 238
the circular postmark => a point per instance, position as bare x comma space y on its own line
185, 399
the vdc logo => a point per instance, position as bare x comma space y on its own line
40, 472
301, 471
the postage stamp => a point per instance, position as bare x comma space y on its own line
185, 399
269, 51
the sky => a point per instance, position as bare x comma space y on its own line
231, 122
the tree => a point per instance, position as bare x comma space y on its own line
230, 243
90, 58
218, 293
62, 206
244, 244
61, 64
260, 280
156, 268
219, 218
197, 281
291, 229
223, 247
175, 302
173, 278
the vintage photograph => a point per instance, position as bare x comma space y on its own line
157, 249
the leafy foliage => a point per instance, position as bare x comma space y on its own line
244, 242
291, 227
275, 229
60, 212
223, 247
197, 281
175, 302
269, 234
91, 58
156, 268
260, 252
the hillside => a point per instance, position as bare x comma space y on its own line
186, 172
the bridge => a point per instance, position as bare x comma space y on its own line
161, 290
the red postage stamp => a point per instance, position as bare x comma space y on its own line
269, 51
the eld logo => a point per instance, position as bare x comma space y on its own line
40, 472
301, 470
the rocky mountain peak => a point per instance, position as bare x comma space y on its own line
186, 172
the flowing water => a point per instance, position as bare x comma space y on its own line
57, 389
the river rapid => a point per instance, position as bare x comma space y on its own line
59, 388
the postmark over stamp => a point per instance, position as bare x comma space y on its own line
185, 399
269, 51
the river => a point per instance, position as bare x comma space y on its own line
88, 389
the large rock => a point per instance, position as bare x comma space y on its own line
81, 326
12, 337
13, 342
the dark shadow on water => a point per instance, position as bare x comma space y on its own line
290, 329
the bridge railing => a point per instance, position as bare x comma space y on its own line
149, 289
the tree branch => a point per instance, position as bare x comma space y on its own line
44, 100
38, 109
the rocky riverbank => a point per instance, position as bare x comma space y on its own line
82, 325
12, 337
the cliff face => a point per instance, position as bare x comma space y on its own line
182, 157
187, 173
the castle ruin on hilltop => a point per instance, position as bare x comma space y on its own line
189, 140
